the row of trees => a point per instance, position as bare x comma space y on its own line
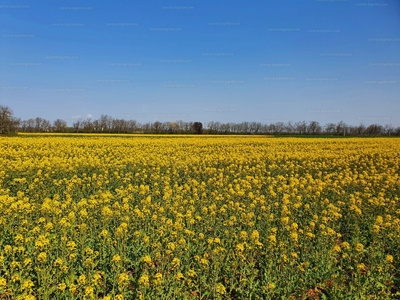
107, 124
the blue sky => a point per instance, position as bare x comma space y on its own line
227, 61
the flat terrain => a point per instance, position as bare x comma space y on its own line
199, 217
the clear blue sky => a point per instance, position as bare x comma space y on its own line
201, 60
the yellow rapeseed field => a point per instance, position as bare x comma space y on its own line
199, 217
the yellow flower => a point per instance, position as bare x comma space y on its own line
240, 247
220, 289
204, 262
3, 282
147, 259
337, 248
19, 238
345, 245
285, 220
271, 286
42, 257
62, 286
359, 247
7, 249
389, 258
97, 277
89, 251
255, 235
179, 276
176, 262
27, 284
171, 246
294, 226
58, 262
71, 245
361, 267
15, 265
72, 288
88, 262
103, 233
123, 279
116, 259
243, 235
15, 278
144, 280
82, 279
89, 292
191, 273
294, 236
284, 258
158, 278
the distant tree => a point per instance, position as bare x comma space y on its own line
157, 125
133, 125
198, 127
301, 127
214, 127
360, 129
397, 131
77, 125
27, 125
330, 128
244, 127
87, 125
173, 127
389, 129
8, 123
60, 125
314, 127
341, 128
280, 127
41, 125
105, 123
374, 129
290, 127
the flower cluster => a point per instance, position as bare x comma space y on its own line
127, 217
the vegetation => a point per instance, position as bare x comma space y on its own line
8, 123
107, 124
99, 217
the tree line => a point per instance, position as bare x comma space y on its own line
108, 124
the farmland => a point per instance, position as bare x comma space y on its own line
199, 217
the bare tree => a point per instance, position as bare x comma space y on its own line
290, 128
60, 125
77, 125
360, 129
388, 129
301, 127
8, 123
341, 128
173, 127
314, 127
28, 125
105, 123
